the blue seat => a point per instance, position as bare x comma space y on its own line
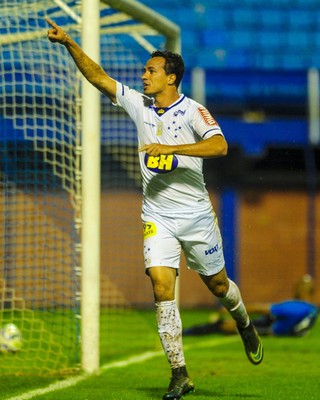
214, 59
311, 4
245, 17
244, 38
269, 61
295, 61
212, 38
239, 58
190, 38
298, 40
283, 3
314, 60
315, 40
270, 40
189, 58
301, 19
185, 18
226, 33
216, 18
274, 18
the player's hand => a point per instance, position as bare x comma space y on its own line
56, 34
156, 149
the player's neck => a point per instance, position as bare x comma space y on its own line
166, 99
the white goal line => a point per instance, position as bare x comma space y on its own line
119, 364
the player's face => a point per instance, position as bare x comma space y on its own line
154, 77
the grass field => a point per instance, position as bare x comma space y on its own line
216, 363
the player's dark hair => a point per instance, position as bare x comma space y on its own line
174, 64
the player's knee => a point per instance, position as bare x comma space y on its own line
163, 282
217, 284
220, 289
162, 292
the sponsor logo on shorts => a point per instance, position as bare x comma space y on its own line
212, 250
149, 229
161, 164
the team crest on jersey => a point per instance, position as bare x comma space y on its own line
161, 164
208, 118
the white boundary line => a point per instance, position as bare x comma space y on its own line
116, 364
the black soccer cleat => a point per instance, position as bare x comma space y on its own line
252, 343
180, 384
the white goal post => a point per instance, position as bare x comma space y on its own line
51, 138
91, 151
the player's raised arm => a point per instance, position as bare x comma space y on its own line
90, 69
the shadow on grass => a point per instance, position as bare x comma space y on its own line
156, 394
213, 394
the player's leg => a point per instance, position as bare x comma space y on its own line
162, 257
202, 244
170, 329
229, 295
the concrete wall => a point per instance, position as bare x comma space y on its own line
272, 249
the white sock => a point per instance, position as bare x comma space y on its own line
234, 304
170, 332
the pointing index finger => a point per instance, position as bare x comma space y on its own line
50, 22
143, 148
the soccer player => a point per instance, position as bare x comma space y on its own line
175, 134
288, 318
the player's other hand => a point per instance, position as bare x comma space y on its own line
55, 33
156, 149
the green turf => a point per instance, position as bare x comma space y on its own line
217, 364
42, 351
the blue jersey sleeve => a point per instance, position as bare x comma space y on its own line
293, 317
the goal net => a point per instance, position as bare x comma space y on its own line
40, 186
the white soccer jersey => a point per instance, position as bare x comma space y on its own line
171, 183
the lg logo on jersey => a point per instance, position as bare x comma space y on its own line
161, 164
212, 250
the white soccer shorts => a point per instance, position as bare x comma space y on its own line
197, 234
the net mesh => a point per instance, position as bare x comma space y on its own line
40, 187
39, 191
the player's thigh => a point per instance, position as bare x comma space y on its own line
202, 245
161, 248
